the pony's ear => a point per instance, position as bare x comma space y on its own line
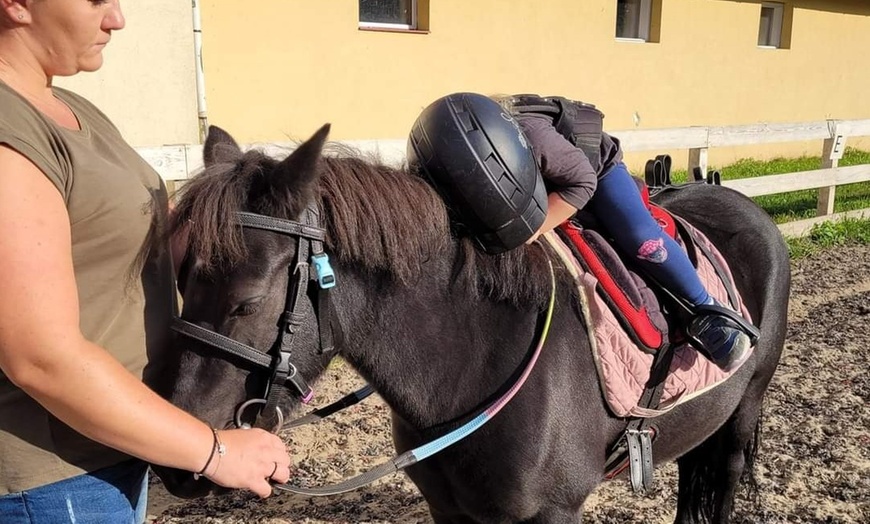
289, 187
299, 170
219, 147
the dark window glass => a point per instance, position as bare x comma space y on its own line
766, 27
628, 18
386, 11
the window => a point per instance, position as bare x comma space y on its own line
388, 14
638, 20
770, 26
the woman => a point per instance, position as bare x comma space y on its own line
591, 175
85, 285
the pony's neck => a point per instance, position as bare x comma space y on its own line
432, 352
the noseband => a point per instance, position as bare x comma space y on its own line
277, 361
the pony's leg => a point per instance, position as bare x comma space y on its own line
710, 474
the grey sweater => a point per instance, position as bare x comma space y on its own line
565, 168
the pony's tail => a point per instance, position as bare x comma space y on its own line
749, 479
705, 479
699, 485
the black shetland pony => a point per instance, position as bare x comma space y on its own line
438, 328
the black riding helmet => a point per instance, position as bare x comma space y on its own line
474, 153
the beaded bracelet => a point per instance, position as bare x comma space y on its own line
218, 449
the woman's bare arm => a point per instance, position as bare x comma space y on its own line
43, 351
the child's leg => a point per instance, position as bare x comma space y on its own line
619, 208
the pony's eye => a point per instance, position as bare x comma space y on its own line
248, 308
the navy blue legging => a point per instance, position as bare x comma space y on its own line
618, 206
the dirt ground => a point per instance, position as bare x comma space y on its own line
813, 466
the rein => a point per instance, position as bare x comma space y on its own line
411, 457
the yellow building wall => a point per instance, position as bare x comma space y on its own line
278, 69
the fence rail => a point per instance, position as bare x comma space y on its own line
176, 163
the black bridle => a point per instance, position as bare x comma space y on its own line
278, 360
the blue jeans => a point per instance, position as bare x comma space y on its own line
113, 495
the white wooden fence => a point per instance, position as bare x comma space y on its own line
178, 162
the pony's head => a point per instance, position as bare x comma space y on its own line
236, 279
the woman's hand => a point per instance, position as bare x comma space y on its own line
252, 459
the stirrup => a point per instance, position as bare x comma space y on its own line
734, 318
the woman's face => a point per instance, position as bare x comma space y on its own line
70, 34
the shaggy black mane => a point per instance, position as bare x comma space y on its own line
377, 217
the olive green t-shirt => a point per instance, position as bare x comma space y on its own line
117, 206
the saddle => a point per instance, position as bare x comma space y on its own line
646, 366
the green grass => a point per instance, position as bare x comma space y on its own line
797, 205
828, 234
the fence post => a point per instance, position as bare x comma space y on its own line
697, 158
832, 152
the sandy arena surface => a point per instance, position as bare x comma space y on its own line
813, 466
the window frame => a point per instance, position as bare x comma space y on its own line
413, 26
644, 23
776, 29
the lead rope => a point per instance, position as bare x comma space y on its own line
415, 455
